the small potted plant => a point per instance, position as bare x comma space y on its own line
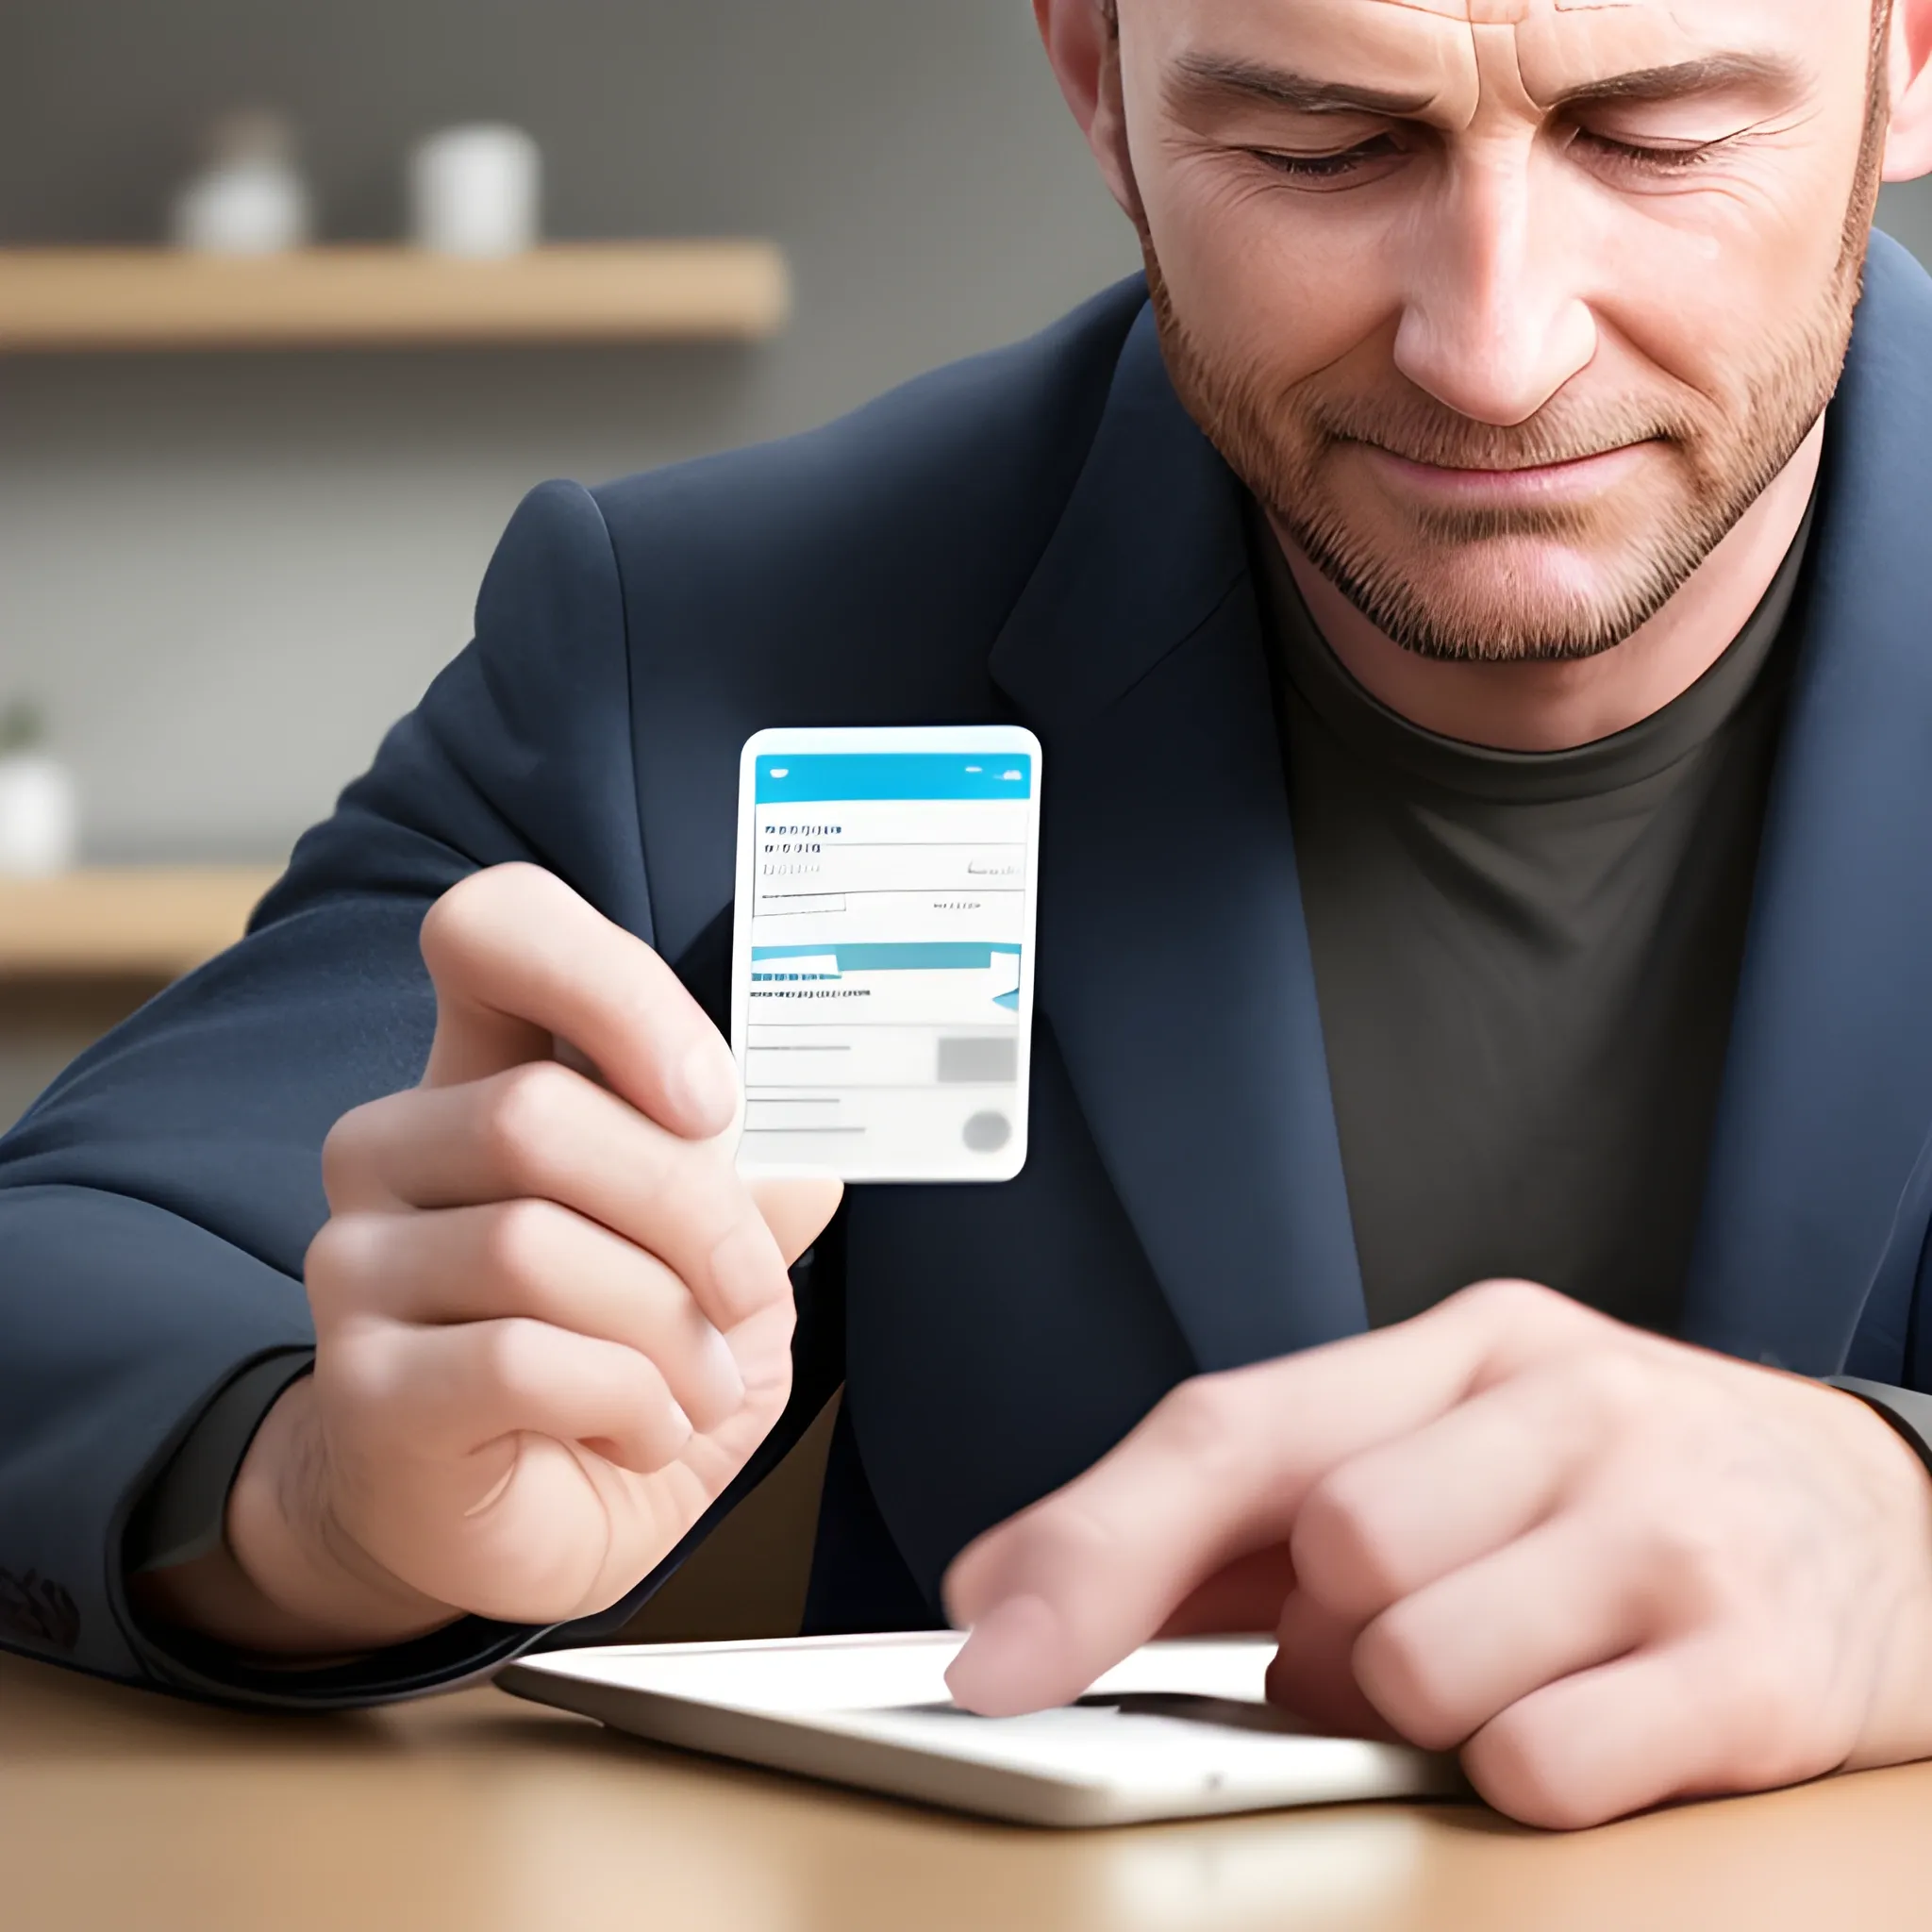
40, 810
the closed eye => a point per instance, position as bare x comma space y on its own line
1654, 160
1340, 166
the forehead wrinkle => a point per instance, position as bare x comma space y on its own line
1536, 29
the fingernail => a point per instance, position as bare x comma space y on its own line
706, 1086
746, 1272
1010, 1661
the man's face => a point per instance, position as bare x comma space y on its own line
1507, 308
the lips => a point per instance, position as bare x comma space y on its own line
1565, 480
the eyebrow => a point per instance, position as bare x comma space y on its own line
1203, 77
1687, 79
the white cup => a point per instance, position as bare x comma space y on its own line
476, 191
40, 814
250, 197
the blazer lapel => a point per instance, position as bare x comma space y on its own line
1815, 1213
1173, 960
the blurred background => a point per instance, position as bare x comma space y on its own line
240, 527
224, 571
224, 574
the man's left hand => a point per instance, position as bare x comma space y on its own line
1609, 1569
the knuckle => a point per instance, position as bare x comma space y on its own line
1526, 1770
1760, 1717
1057, 1542
1766, 1729
510, 1360
1511, 1304
520, 1247
1694, 1567
453, 924
1197, 1422
345, 1259
1399, 1668
524, 1113
475, 905
351, 1150
1347, 1555
489, 914
1617, 1387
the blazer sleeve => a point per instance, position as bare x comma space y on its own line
156, 1203
1891, 1361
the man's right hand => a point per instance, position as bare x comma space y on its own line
552, 1321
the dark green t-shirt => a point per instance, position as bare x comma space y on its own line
1527, 963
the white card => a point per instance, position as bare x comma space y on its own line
882, 970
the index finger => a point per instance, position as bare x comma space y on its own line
1063, 1592
520, 963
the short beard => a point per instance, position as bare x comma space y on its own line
1727, 450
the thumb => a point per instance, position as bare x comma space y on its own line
798, 1211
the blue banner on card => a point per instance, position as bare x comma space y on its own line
830, 777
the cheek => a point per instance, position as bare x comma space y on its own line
1704, 278
1266, 280
1713, 290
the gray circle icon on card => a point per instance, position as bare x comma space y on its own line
987, 1133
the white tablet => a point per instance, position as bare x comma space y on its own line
1179, 1730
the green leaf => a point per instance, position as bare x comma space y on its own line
22, 726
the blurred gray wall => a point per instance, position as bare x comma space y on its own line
226, 575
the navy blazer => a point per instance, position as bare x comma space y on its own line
1040, 535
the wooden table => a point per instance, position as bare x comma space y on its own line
479, 1814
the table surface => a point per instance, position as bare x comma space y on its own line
477, 1812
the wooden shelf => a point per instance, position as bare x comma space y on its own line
104, 299
146, 922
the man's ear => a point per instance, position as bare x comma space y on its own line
1908, 144
1083, 43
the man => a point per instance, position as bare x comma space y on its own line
1488, 726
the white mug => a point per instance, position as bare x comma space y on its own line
476, 191
40, 814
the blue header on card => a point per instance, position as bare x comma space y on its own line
829, 777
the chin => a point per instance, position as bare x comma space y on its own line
1512, 598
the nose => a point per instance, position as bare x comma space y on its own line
1494, 322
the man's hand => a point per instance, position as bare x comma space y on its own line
552, 1321
1609, 1569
